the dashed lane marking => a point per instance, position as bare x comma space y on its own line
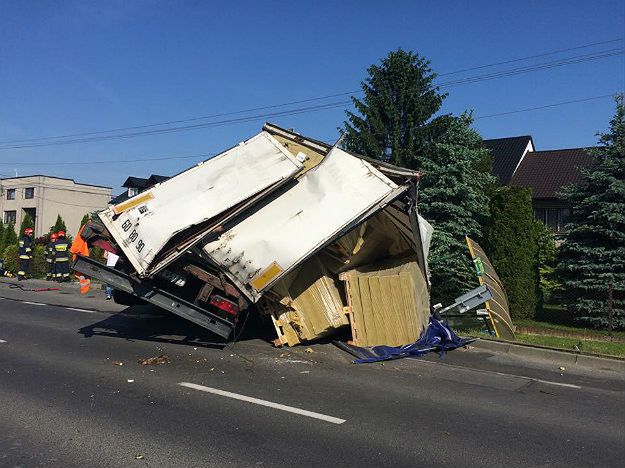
33, 303
81, 310
2, 341
258, 401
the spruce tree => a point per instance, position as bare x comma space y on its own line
85, 219
593, 252
59, 225
453, 198
27, 222
512, 246
9, 237
395, 120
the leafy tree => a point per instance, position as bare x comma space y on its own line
548, 284
58, 225
1, 236
511, 243
395, 120
453, 198
27, 222
593, 252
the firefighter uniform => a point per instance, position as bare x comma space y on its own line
50, 253
25, 252
61, 258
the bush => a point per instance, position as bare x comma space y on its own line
38, 266
11, 258
511, 244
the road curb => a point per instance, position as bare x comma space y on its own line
559, 358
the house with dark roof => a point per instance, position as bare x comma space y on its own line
547, 173
135, 185
507, 154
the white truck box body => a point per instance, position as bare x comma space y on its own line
145, 223
274, 239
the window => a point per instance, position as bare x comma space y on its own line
29, 192
10, 217
11, 194
132, 191
555, 218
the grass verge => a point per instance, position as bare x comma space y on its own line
612, 348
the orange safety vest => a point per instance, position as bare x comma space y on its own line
80, 247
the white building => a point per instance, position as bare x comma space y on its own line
45, 197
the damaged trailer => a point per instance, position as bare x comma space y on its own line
312, 236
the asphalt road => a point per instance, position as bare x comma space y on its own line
65, 400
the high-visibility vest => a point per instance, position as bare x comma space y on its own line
61, 250
79, 246
50, 252
25, 249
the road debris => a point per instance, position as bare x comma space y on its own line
161, 359
131, 380
117, 363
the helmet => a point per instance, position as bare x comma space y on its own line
28, 231
61, 233
54, 236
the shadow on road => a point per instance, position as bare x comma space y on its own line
148, 323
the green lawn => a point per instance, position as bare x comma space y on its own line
547, 326
612, 348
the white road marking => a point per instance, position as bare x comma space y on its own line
33, 303
258, 401
2, 341
80, 310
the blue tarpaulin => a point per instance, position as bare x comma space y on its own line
438, 336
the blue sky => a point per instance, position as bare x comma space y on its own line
69, 67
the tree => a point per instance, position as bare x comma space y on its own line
27, 222
548, 284
453, 197
9, 237
85, 219
59, 225
512, 246
397, 123
1, 236
396, 116
593, 252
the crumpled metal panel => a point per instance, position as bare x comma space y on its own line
498, 307
271, 241
147, 221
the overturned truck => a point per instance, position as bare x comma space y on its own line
312, 236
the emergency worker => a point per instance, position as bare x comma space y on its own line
61, 257
25, 252
51, 273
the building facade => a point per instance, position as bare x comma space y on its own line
43, 198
